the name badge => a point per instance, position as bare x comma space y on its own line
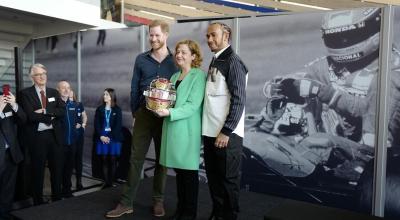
107, 129
51, 99
71, 108
8, 114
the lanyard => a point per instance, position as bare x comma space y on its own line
107, 115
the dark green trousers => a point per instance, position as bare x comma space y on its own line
147, 127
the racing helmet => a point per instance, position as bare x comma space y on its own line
351, 37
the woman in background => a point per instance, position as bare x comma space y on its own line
108, 136
80, 128
181, 132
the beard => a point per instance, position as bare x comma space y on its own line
157, 45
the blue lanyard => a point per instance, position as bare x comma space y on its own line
107, 114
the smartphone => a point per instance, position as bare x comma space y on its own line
6, 89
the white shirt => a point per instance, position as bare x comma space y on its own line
42, 126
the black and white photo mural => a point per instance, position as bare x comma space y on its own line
392, 195
311, 104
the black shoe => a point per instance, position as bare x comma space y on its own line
42, 201
68, 195
187, 217
79, 186
105, 186
176, 216
213, 217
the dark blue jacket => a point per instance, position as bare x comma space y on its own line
115, 123
79, 110
71, 118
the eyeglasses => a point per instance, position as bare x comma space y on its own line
39, 74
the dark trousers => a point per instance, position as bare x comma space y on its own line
109, 166
223, 173
8, 176
187, 185
78, 156
147, 127
68, 166
45, 148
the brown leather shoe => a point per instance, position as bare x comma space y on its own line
119, 211
158, 209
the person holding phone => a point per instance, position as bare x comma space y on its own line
10, 152
6, 90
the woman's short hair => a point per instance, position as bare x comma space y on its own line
194, 49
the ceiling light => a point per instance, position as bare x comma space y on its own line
189, 7
155, 14
239, 2
304, 5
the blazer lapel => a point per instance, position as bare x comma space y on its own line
35, 97
186, 82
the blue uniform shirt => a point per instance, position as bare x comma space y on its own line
70, 122
79, 120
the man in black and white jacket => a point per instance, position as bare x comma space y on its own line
223, 122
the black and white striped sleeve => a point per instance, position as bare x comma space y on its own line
236, 81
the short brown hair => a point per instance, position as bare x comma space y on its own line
194, 49
163, 25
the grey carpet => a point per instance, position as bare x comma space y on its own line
93, 206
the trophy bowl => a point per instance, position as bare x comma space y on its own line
160, 95
157, 104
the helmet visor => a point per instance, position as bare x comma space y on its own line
349, 35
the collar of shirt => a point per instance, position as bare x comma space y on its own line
148, 53
39, 89
216, 55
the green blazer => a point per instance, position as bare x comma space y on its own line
181, 132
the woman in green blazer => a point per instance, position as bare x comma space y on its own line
181, 132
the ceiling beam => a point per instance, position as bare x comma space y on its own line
210, 7
159, 6
389, 2
337, 4
150, 17
278, 5
157, 12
